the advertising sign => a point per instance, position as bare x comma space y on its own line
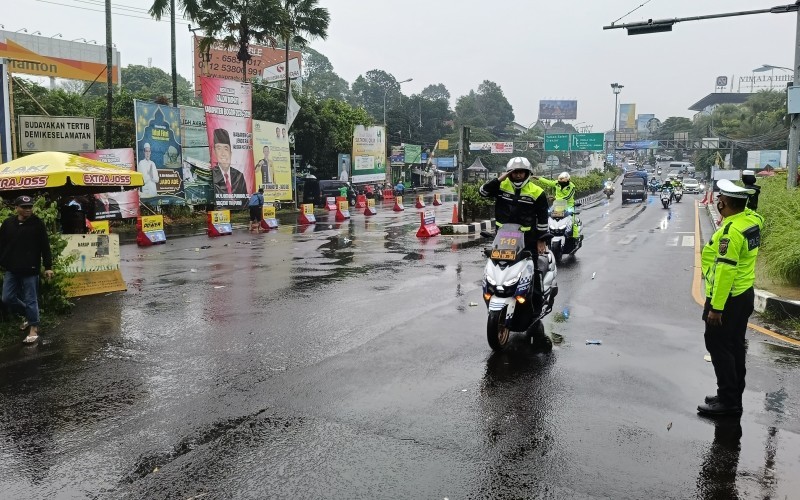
343, 160
221, 62
221, 219
272, 159
47, 56
197, 186
68, 134
5, 115
158, 152
369, 154
230, 138
503, 148
480, 146
627, 117
758, 160
95, 264
117, 204
98, 227
412, 153
558, 110
446, 162
641, 123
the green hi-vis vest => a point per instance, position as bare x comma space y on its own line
566, 193
729, 259
517, 208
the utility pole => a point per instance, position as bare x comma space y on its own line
174, 62
794, 128
463, 145
109, 72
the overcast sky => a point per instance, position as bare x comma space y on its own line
533, 49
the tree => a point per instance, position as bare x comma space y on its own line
300, 20
154, 83
370, 90
672, 125
488, 107
320, 79
436, 92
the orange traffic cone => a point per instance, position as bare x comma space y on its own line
455, 214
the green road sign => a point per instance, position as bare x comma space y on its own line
586, 142
556, 142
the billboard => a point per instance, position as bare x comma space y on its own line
627, 117
197, 186
758, 160
43, 56
221, 62
343, 160
641, 123
502, 148
68, 134
5, 116
369, 154
228, 107
115, 205
412, 153
158, 152
272, 160
558, 110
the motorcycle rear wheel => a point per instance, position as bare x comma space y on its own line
496, 331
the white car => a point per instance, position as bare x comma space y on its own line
691, 186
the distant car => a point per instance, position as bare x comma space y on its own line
691, 186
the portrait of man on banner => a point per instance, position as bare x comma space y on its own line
227, 180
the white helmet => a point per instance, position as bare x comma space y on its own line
519, 163
563, 177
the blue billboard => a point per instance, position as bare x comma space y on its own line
558, 110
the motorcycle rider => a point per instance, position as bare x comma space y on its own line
519, 201
565, 190
749, 181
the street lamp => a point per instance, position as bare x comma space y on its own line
616, 88
24, 30
384, 99
36, 33
59, 35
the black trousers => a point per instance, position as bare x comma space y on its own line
725, 343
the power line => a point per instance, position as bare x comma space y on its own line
115, 13
631, 12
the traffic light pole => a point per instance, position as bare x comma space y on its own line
794, 128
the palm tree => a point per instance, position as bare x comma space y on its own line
159, 8
300, 21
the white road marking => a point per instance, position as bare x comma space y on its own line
672, 241
688, 241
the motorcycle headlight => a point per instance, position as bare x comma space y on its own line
489, 280
512, 281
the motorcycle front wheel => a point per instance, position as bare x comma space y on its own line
496, 331
557, 251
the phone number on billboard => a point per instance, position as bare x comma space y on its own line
230, 69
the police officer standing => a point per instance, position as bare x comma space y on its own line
728, 264
749, 181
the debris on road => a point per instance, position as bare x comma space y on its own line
219, 286
707, 357
594, 342
669, 426
593, 275
473, 304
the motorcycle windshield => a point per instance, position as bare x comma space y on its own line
559, 208
508, 243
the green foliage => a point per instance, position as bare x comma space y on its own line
487, 108
53, 299
779, 249
475, 205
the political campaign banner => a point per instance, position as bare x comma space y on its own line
95, 267
627, 117
273, 161
369, 154
197, 179
558, 110
228, 108
117, 204
158, 153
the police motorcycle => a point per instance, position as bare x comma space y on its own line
666, 196
678, 194
654, 186
658, 171
519, 289
560, 225
608, 188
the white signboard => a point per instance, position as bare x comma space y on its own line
277, 72
67, 134
502, 147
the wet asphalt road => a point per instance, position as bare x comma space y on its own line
348, 362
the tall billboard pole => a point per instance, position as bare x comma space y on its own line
109, 71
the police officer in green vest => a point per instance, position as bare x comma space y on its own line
519, 201
565, 190
728, 263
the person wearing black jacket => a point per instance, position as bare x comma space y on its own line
749, 181
24, 247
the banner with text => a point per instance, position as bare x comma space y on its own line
117, 204
96, 264
68, 134
228, 107
158, 152
369, 154
627, 117
197, 180
273, 161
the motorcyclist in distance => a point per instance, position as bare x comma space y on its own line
519, 201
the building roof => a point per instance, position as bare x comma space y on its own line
477, 165
720, 98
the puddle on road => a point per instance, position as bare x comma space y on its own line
784, 355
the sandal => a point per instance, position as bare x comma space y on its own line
31, 339
24, 325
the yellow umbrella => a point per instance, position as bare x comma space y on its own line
64, 174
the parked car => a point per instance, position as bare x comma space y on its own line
691, 186
315, 191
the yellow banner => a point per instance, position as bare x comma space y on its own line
82, 284
220, 217
26, 61
272, 159
398, 200
268, 211
344, 205
370, 202
99, 227
308, 208
444, 144
152, 223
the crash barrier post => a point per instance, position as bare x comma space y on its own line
219, 223
268, 220
370, 210
342, 210
330, 203
98, 226
388, 194
398, 204
361, 201
420, 202
427, 224
455, 214
437, 199
150, 230
307, 216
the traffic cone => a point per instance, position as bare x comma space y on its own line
455, 214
